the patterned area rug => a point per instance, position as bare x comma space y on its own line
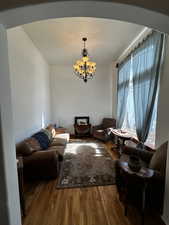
86, 163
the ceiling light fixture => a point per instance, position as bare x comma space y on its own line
83, 68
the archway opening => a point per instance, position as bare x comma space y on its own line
99, 9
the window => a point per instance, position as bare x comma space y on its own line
142, 98
129, 119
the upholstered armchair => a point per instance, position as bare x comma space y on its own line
82, 126
101, 131
129, 186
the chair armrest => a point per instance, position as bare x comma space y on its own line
143, 154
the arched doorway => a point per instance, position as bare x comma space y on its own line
99, 9
14, 17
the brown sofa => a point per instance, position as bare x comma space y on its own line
101, 131
39, 163
155, 189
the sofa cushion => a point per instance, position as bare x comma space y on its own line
158, 160
43, 139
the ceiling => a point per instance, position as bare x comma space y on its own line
60, 40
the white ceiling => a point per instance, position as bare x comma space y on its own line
60, 40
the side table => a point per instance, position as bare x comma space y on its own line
20, 182
121, 136
61, 130
143, 176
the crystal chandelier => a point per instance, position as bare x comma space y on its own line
83, 68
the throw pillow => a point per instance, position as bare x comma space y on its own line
43, 139
48, 133
158, 160
52, 130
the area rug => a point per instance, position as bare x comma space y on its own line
85, 164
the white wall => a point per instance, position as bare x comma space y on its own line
9, 194
166, 200
30, 84
162, 131
163, 124
72, 97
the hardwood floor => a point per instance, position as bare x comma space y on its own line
45, 205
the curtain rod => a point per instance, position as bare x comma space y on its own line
135, 47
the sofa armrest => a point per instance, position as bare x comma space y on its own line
63, 138
42, 164
143, 154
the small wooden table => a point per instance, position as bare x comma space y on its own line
122, 136
144, 175
61, 130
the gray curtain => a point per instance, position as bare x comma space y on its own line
146, 65
122, 90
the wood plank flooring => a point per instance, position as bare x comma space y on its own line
45, 205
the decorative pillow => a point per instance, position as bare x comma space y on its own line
52, 130
48, 133
158, 160
43, 139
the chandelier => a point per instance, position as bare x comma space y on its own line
84, 68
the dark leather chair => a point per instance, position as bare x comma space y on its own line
102, 132
131, 192
82, 126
